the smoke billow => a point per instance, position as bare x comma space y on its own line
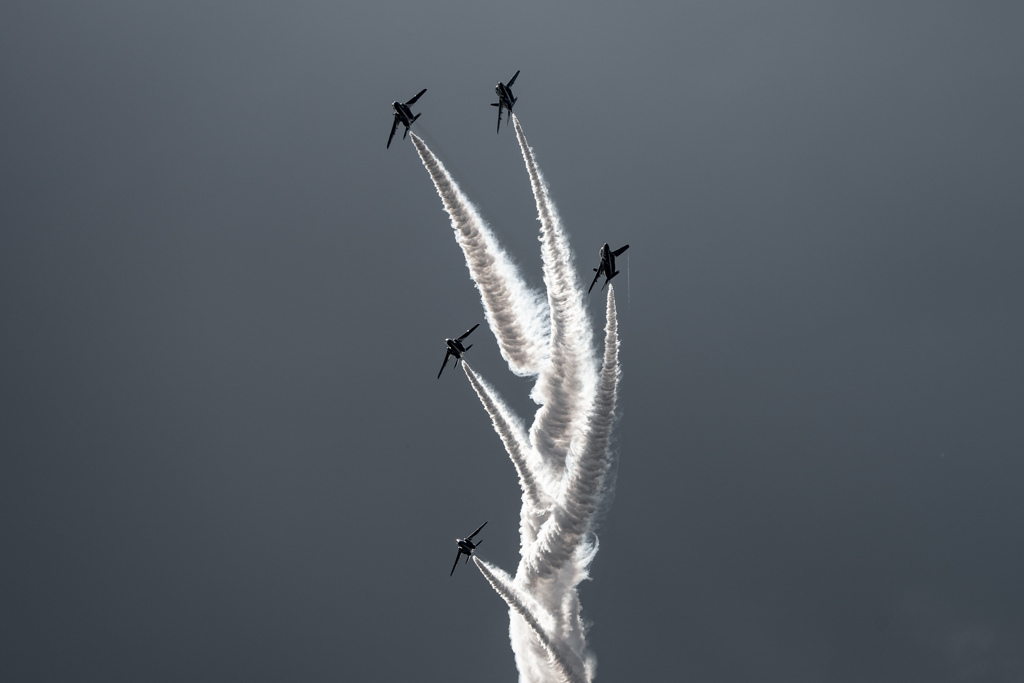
564, 459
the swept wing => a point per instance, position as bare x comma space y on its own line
394, 126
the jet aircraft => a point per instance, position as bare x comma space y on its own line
403, 114
466, 547
607, 267
455, 348
505, 98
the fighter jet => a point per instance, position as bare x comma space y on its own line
455, 348
505, 98
607, 267
404, 115
466, 547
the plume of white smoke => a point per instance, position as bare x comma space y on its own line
568, 666
535, 478
587, 465
516, 314
569, 376
513, 435
564, 460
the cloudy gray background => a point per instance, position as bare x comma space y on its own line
224, 454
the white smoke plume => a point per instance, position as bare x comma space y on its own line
569, 377
567, 666
516, 314
564, 459
534, 478
587, 465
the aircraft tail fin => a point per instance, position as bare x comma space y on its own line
468, 348
421, 114
495, 104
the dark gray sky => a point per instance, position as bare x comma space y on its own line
224, 454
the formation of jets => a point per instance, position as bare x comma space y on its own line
466, 547
454, 347
403, 113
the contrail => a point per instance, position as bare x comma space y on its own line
586, 467
570, 374
570, 668
564, 459
510, 429
516, 315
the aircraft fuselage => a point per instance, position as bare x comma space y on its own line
456, 347
403, 112
607, 259
505, 96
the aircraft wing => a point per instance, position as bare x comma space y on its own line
447, 353
595, 280
469, 331
477, 531
413, 100
498, 130
394, 126
458, 555
512, 80
618, 252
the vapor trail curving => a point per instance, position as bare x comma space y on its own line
586, 467
570, 375
565, 664
509, 428
516, 314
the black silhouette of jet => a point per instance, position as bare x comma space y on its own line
505, 98
455, 348
403, 114
466, 547
607, 267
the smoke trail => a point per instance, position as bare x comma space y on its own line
570, 374
578, 500
568, 666
531, 471
516, 314
536, 480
